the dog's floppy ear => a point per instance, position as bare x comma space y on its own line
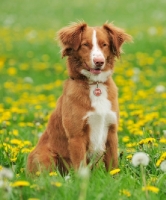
117, 38
70, 37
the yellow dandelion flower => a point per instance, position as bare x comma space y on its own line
22, 170
114, 171
20, 184
13, 159
38, 107
155, 144
1, 131
6, 115
52, 104
130, 145
12, 71
24, 66
34, 186
152, 180
151, 188
147, 141
2, 62
22, 124
130, 150
17, 175
129, 157
158, 162
16, 141
38, 173
58, 83
33, 199
161, 159
45, 57
30, 124
125, 139
53, 174
7, 147
59, 68
27, 142
163, 140
15, 132
57, 184
125, 193
25, 150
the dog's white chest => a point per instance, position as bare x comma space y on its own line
99, 120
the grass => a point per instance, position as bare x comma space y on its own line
31, 79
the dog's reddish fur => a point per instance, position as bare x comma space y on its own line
65, 141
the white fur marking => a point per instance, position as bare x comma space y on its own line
96, 52
102, 77
99, 120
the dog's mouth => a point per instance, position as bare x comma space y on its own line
96, 70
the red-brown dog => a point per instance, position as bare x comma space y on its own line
85, 121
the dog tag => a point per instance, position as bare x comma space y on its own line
97, 92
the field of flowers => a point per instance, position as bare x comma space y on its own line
31, 80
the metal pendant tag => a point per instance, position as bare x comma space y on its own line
97, 92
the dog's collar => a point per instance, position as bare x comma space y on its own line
97, 91
86, 79
82, 78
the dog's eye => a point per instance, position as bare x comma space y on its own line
104, 45
85, 44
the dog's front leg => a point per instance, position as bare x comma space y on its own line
111, 154
77, 149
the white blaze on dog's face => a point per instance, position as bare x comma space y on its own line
96, 56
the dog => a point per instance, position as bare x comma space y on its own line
84, 125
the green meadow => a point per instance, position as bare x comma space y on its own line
31, 80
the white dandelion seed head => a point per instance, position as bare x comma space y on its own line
83, 172
136, 70
31, 35
28, 80
6, 187
152, 30
135, 78
40, 134
6, 173
37, 124
140, 158
67, 177
1, 183
164, 132
160, 88
163, 166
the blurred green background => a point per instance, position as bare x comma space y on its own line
54, 14
141, 19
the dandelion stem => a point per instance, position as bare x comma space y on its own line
144, 180
20, 193
83, 187
83, 190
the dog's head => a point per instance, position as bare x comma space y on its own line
91, 51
